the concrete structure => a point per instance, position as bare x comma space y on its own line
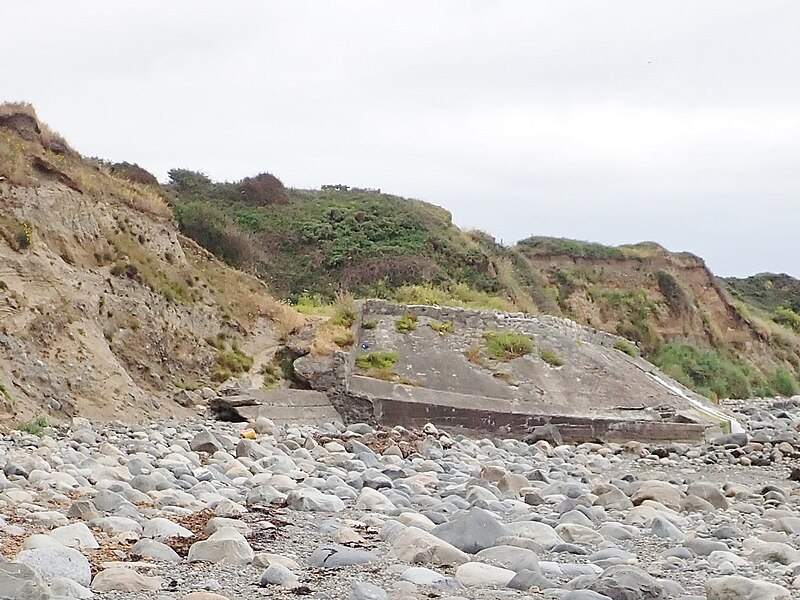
598, 393
450, 379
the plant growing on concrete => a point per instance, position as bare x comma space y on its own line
507, 345
406, 324
376, 360
550, 357
473, 354
372, 324
626, 347
441, 327
378, 365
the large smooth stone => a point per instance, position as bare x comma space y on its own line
417, 546
20, 582
52, 563
334, 556
472, 532
226, 546
475, 573
742, 588
120, 579
623, 582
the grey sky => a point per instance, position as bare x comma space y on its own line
618, 122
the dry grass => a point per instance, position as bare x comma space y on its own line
12, 108
331, 337
15, 164
473, 354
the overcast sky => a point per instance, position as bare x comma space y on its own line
616, 122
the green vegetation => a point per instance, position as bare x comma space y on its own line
626, 347
442, 327
18, 235
25, 236
273, 375
379, 365
784, 383
371, 324
550, 357
310, 245
341, 310
458, 295
706, 371
767, 291
376, 360
344, 316
566, 247
230, 361
507, 345
34, 427
636, 310
319, 241
787, 317
675, 296
406, 324
138, 263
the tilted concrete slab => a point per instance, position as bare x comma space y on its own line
598, 393
298, 407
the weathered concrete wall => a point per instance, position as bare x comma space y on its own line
598, 393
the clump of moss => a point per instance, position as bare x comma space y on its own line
551, 358
508, 345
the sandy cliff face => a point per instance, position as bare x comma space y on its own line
105, 309
652, 296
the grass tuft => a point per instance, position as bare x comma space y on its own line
442, 327
34, 427
508, 345
406, 324
551, 358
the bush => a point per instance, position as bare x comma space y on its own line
507, 345
24, 236
344, 338
705, 371
133, 172
551, 358
231, 362
218, 234
406, 324
787, 317
784, 383
263, 190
